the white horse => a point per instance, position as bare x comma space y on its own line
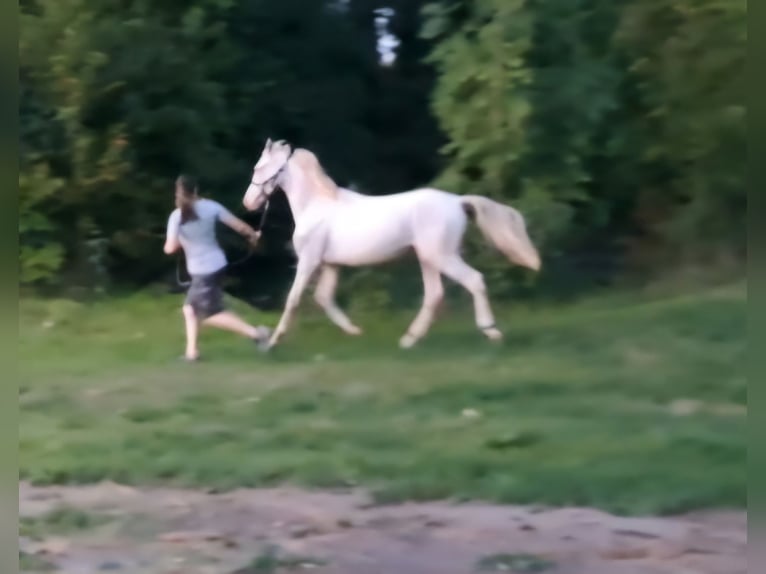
336, 227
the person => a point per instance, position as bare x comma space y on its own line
191, 227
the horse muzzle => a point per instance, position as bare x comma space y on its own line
254, 198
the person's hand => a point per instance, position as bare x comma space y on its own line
253, 238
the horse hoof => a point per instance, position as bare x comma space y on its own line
493, 334
354, 330
407, 342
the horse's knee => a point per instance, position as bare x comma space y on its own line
435, 297
439, 295
475, 283
293, 300
322, 298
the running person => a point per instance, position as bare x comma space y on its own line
191, 227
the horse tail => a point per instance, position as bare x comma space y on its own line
504, 228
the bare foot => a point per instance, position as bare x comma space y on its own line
407, 341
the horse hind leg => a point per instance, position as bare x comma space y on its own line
473, 281
324, 295
433, 294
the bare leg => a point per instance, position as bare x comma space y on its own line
192, 330
433, 293
460, 272
303, 275
230, 322
324, 295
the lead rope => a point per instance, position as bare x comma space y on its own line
184, 284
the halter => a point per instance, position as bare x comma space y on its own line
276, 174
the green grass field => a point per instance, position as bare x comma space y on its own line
631, 404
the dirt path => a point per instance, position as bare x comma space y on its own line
112, 528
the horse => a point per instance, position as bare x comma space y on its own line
336, 227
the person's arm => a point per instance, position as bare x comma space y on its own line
171, 240
235, 223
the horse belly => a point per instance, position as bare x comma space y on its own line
368, 236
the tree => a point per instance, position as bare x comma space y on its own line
687, 59
129, 102
616, 126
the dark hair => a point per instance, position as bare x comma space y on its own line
187, 185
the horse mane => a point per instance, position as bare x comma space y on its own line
321, 183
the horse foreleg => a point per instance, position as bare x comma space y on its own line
324, 295
433, 293
303, 273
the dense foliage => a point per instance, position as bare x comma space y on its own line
618, 126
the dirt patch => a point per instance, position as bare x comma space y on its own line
174, 531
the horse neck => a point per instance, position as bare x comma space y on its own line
297, 190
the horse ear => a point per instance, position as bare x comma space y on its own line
268, 143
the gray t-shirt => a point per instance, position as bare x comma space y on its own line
197, 237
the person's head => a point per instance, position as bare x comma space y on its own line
186, 195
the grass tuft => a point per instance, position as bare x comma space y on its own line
60, 521
514, 563
271, 562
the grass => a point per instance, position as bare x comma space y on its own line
30, 563
60, 521
270, 562
574, 408
515, 563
